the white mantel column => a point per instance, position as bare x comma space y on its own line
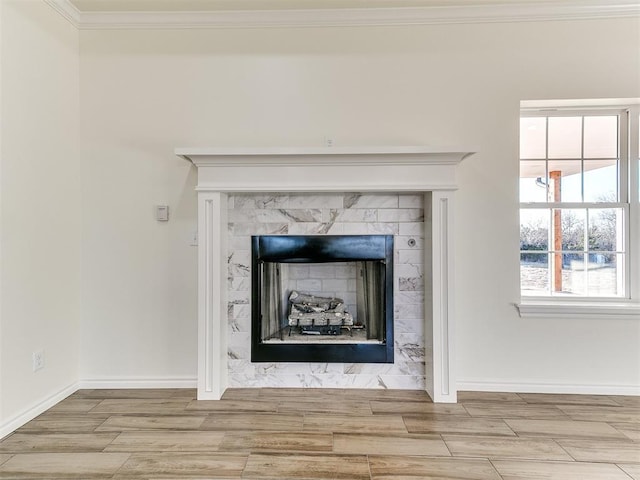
212, 288
439, 297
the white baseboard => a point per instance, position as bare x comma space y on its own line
533, 387
33, 411
178, 382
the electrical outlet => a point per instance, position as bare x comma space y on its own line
38, 360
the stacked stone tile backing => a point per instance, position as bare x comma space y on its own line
401, 215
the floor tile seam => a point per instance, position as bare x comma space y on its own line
534, 417
119, 434
426, 414
369, 467
624, 471
169, 455
322, 454
427, 400
429, 456
631, 426
123, 464
496, 437
158, 430
524, 406
453, 416
521, 419
88, 412
227, 412
59, 451
446, 445
603, 440
247, 430
94, 407
154, 414
56, 414
97, 427
151, 414
514, 458
244, 467
320, 412
495, 469
603, 417
467, 410
562, 462
504, 420
267, 431
606, 408
404, 424
470, 434
527, 434
155, 430
222, 448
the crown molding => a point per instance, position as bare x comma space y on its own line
490, 13
67, 10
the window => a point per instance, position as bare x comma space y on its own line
578, 203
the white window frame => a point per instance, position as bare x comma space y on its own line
600, 307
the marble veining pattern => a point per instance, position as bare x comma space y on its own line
400, 215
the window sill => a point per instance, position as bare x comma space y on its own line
580, 310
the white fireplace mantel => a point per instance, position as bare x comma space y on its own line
329, 169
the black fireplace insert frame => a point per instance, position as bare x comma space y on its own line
321, 249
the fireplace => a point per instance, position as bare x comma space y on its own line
322, 298
224, 262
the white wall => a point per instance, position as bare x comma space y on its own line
146, 92
40, 208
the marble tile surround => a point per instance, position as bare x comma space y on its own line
401, 215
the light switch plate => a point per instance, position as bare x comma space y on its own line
162, 213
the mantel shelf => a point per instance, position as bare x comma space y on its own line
386, 155
325, 169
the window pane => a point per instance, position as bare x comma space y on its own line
605, 229
533, 137
571, 160
601, 180
534, 273
601, 137
574, 275
534, 229
565, 137
565, 174
572, 231
533, 187
604, 278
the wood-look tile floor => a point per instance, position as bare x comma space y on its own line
327, 434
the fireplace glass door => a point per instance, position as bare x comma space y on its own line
322, 298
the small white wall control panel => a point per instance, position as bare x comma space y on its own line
162, 213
